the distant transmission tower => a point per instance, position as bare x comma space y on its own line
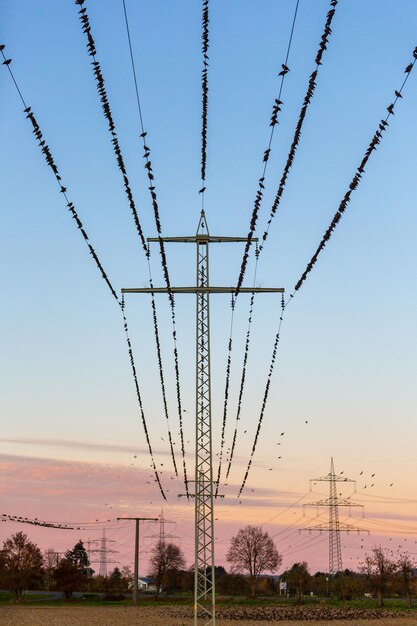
204, 579
334, 527
103, 551
162, 535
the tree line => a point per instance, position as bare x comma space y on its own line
253, 559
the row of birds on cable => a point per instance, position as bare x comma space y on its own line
307, 100
375, 141
261, 183
139, 398
92, 51
225, 404
226, 395
152, 189
162, 380
242, 382
297, 135
264, 401
51, 163
204, 87
91, 47
36, 522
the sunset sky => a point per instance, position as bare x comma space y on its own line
72, 447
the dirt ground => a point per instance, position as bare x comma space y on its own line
154, 616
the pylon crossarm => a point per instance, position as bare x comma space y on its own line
202, 290
332, 478
339, 502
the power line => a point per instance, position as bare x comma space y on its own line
242, 383
204, 89
296, 139
259, 195
353, 185
226, 395
92, 50
261, 183
307, 100
152, 190
265, 397
51, 163
375, 141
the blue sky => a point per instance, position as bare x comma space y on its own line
347, 354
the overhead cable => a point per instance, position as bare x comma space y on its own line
204, 97
51, 163
91, 48
307, 100
276, 108
265, 396
92, 51
375, 141
261, 184
226, 396
164, 263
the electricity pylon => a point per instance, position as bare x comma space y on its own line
204, 572
104, 551
334, 527
162, 535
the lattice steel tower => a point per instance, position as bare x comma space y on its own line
204, 579
103, 551
334, 527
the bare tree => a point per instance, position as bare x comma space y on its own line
21, 563
405, 566
253, 551
165, 557
379, 567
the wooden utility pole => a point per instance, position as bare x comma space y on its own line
137, 520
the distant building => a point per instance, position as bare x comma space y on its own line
147, 585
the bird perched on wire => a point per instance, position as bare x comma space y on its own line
285, 70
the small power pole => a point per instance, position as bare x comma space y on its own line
137, 521
204, 564
334, 527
